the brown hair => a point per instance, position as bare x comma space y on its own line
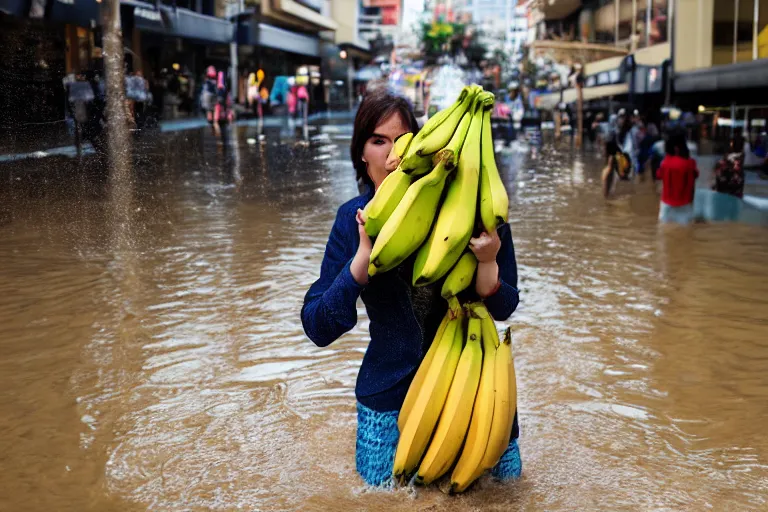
376, 107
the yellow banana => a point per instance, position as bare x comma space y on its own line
454, 419
494, 202
460, 277
470, 466
505, 403
456, 220
410, 222
426, 409
427, 144
418, 379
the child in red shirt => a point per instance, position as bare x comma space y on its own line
678, 174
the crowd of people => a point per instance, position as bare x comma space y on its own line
635, 147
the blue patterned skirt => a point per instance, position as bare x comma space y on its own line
377, 436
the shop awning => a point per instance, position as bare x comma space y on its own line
180, 22
285, 40
14, 7
550, 101
742, 75
83, 13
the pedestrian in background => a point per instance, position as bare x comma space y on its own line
728, 177
223, 114
678, 175
208, 96
403, 318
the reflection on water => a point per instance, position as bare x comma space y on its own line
170, 371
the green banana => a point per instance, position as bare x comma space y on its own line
427, 144
455, 146
429, 403
460, 277
456, 220
455, 416
410, 222
494, 202
399, 147
469, 466
384, 202
505, 401
434, 121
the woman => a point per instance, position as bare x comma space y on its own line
403, 319
678, 175
729, 172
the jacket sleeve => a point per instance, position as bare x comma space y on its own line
330, 305
504, 302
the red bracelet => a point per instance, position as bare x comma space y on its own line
495, 289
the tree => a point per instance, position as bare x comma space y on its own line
440, 38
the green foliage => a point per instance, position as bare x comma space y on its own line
441, 38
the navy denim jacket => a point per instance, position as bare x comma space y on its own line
398, 341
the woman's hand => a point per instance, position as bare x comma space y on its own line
359, 266
486, 247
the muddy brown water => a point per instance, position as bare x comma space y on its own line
154, 359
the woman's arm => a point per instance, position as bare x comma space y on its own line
330, 307
496, 280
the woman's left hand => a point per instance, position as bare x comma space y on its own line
486, 247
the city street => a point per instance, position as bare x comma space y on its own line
153, 356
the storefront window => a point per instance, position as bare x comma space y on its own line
744, 30
657, 27
739, 31
762, 29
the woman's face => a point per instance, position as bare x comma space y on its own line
378, 146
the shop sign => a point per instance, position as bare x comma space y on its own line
147, 14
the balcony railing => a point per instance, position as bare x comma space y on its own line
575, 51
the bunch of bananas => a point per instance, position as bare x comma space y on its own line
446, 178
459, 409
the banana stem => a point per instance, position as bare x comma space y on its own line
455, 306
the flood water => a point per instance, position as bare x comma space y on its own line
152, 355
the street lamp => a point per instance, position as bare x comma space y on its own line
343, 54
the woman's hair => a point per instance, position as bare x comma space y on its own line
376, 107
676, 144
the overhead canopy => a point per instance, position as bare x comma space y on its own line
732, 76
83, 13
550, 101
181, 22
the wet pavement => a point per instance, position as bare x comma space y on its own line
152, 356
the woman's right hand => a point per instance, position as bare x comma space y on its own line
359, 266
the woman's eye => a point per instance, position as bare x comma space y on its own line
379, 142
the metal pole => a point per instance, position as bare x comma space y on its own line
233, 56
648, 9
508, 37
632, 37
735, 29
616, 40
671, 38
733, 116
755, 20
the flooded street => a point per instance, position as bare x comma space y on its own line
152, 355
